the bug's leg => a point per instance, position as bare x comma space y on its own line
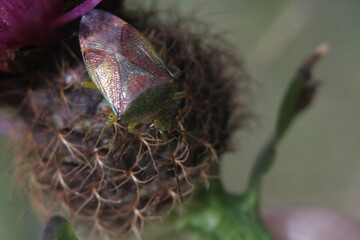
112, 118
179, 95
176, 71
163, 123
131, 128
164, 136
88, 84
162, 50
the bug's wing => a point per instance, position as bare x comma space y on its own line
146, 67
99, 34
138, 50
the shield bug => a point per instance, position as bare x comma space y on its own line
128, 72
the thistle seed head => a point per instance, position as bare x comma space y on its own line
103, 176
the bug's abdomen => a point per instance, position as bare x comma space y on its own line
149, 103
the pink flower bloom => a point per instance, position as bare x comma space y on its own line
28, 21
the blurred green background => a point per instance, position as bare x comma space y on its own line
318, 162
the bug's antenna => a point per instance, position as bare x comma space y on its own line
163, 134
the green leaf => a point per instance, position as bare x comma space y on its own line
58, 228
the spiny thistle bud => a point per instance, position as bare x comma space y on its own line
103, 176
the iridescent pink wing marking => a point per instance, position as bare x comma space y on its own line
120, 61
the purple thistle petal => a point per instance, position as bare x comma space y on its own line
29, 21
75, 13
25, 21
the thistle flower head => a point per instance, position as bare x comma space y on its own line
29, 21
103, 176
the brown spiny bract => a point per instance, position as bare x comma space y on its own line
103, 176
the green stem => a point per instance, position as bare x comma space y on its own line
297, 98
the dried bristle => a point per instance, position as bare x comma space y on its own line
102, 176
